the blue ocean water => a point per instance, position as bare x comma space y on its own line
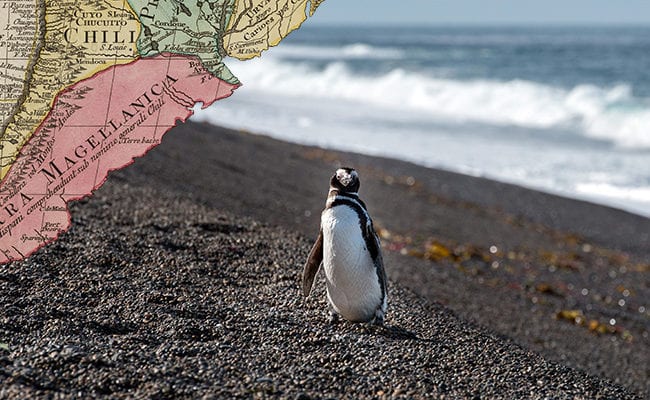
561, 109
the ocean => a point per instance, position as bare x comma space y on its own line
564, 110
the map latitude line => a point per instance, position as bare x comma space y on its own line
70, 168
67, 137
38, 40
64, 60
187, 29
26, 168
261, 25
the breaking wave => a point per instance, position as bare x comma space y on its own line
611, 114
351, 51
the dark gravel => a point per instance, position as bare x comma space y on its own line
153, 295
554, 254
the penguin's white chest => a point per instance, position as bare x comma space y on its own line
353, 287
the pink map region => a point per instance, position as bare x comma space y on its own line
95, 126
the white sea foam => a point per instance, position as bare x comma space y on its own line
635, 199
589, 142
610, 114
501, 153
351, 51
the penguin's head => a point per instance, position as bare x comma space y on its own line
345, 180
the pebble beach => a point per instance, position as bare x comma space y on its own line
180, 278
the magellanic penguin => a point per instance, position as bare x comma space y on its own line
350, 251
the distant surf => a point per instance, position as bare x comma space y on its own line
562, 110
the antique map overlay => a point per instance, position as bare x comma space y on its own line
88, 85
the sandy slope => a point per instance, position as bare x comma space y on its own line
152, 296
542, 269
166, 285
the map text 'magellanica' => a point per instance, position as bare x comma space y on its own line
89, 85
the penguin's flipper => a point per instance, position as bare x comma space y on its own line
374, 247
313, 263
372, 240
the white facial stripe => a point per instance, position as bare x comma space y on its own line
345, 177
353, 200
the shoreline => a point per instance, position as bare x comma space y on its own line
613, 227
637, 208
152, 295
549, 248
195, 251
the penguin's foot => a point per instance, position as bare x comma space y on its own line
379, 317
372, 327
333, 318
366, 328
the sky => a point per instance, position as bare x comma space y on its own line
484, 12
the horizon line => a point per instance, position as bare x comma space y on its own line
484, 24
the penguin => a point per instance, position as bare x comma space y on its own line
349, 250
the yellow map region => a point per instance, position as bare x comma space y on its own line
19, 38
256, 26
80, 39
